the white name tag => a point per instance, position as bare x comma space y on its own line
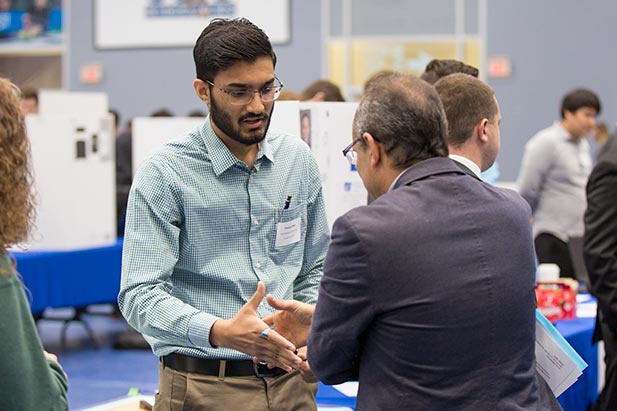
288, 232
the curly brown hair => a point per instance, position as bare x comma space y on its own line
16, 196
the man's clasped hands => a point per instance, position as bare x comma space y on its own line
282, 336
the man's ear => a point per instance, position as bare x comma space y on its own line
481, 132
375, 150
202, 90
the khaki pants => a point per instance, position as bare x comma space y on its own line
196, 392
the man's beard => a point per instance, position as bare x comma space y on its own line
224, 123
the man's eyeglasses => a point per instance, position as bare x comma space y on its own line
241, 97
350, 154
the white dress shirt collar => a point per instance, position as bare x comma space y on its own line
467, 163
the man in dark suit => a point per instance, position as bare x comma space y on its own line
600, 253
473, 122
427, 296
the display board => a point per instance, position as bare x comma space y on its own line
285, 117
150, 133
72, 104
74, 172
330, 132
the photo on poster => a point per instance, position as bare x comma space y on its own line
305, 126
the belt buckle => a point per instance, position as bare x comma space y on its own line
261, 370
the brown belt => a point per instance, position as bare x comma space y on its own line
230, 368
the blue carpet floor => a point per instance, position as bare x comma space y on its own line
99, 374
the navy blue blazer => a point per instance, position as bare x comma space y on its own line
427, 297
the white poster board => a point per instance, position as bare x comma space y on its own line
150, 133
178, 23
330, 132
286, 117
74, 178
72, 104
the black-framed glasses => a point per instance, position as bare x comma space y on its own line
241, 97
350, 154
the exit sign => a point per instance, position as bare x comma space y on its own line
499, 67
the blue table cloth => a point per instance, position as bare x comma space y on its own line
73, 278
585, 390
330, 396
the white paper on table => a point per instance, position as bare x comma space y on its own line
556, 361
586, 310
349, 388
583, 298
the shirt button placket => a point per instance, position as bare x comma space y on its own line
254, 236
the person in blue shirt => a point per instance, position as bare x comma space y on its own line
216, 218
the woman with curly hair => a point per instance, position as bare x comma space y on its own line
30, 378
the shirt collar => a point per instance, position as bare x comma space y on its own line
473, 167
222, 158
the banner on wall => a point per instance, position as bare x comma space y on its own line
177, 23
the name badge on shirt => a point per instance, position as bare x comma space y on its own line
288, 232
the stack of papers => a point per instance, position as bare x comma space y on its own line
556, 360
349, 388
